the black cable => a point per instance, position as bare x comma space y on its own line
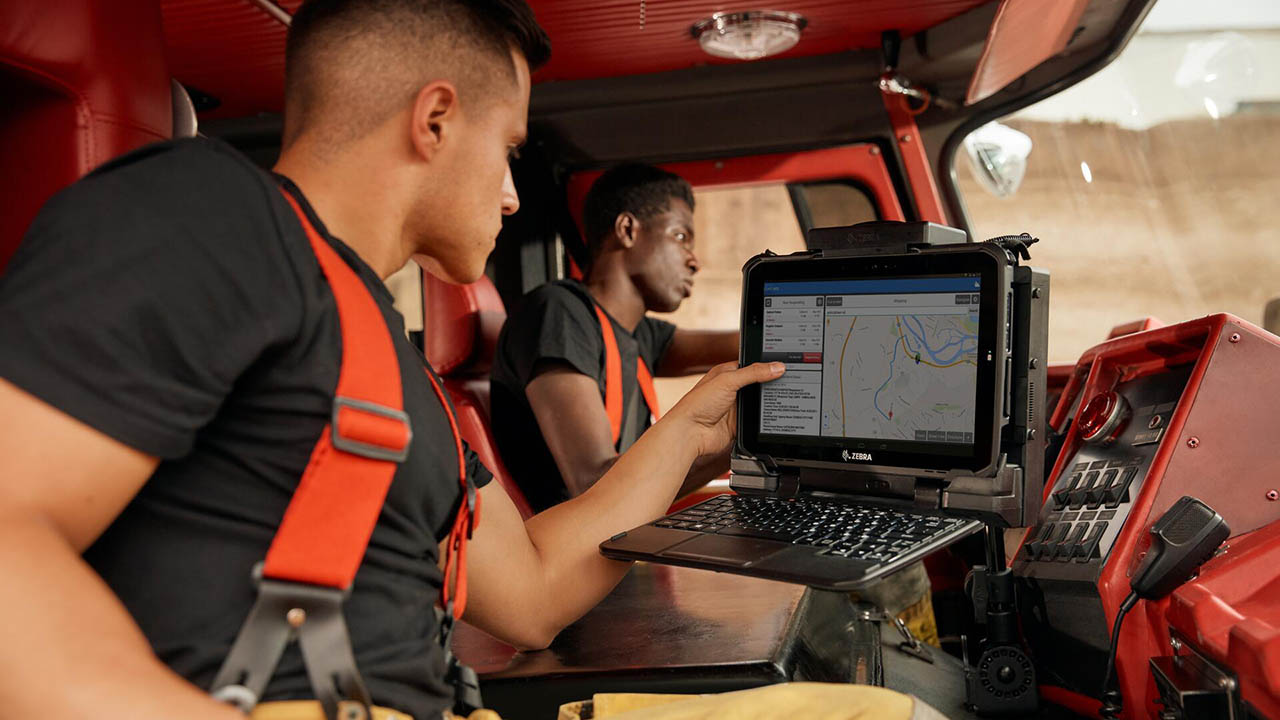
1112, 701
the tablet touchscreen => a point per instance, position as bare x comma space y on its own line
890, 361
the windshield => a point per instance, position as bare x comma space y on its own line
1153, 184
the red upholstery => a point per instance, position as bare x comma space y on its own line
467, 319
462, 325
82, 81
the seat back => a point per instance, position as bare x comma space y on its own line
462, 323
83, 81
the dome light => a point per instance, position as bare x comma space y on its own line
749, 35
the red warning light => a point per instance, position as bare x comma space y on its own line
1102, 417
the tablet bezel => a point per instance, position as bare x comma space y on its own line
886, 455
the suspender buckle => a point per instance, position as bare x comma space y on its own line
284, 612
370, 430
464, 680
471, 506
466, 688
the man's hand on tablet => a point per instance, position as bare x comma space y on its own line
709, 409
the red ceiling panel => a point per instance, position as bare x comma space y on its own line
235, 51
605, 39
229, 49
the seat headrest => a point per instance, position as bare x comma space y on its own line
462, 323
83, 81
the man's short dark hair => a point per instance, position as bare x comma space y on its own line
364, 59
642, 190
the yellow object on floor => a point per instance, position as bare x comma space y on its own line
907, 595
311, 710
799, 701
921, 621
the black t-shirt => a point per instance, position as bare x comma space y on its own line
557, 323
171, 301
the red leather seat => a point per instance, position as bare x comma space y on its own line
83, 81
462, 323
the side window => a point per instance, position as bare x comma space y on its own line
831, 203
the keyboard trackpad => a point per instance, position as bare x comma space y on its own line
736, 551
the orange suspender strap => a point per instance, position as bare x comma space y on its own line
612, 375
464, 523
613, 378
646, 387
327, 525
326, 528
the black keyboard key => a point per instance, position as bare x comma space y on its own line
762, 534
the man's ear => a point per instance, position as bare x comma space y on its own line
434, 111
626, 228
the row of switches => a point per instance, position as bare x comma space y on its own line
1095, 489
1065, 541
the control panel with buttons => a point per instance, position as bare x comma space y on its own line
1089, 500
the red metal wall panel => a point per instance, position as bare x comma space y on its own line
863, 163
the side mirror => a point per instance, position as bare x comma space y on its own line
998, 154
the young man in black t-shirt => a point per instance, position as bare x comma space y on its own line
550, 414
168, 355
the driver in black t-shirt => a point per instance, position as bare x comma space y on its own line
168, 357
549, 372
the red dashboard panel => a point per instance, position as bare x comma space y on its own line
1232, 613
1199, 416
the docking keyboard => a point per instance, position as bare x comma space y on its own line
864, 532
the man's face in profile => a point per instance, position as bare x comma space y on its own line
662, 260
479, 190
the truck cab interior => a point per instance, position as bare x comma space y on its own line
866, 113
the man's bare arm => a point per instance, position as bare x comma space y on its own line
692, 352
527, 581
574, 425
576, 428
71, 649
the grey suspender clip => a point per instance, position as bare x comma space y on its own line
283, 612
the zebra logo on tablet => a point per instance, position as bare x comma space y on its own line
851, 456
